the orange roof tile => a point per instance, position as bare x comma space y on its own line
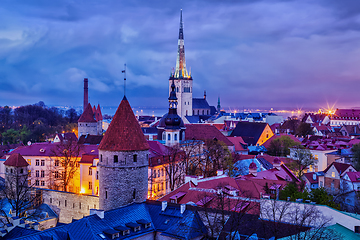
124, 132
16, 160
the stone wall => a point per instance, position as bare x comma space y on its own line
124, 181
68, 205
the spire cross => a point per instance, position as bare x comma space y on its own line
124, 72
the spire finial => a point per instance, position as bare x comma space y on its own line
124, 72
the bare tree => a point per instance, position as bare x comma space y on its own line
308, 221
219, 205
65, 163
216, 156
175, 167
19, 191
192, 155
304, 159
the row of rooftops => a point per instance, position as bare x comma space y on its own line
131, 221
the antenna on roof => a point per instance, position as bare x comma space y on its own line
124, 72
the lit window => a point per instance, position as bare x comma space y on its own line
333, 174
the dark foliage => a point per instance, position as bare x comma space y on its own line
33, 122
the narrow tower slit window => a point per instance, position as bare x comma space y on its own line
116, 158
135, 157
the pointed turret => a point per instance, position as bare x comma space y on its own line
99, 116
88, 115
124, 132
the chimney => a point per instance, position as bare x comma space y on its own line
204, 94
163, 205
182, 208
86, 93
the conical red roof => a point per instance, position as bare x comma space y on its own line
124, 132
98, 113
88, 115
16, 160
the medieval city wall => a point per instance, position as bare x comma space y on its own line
68, 205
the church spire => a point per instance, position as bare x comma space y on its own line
180, 71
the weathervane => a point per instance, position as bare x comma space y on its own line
124, 72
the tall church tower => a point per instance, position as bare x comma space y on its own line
183, 81
123, 163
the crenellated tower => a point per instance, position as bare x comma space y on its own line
182, 79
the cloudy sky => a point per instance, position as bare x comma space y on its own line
253, 54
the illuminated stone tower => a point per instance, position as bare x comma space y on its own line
123, 161
183, 81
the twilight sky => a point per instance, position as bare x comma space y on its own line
253, 54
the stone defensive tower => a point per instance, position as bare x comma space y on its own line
123, 161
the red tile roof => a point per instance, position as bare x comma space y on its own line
87, 158
98, 114
16, 160
238, 142
340, 167
268, 142
124, 132
88, 115
205, 132
47, 149
354, 176
310, 177
274, 174
350, 114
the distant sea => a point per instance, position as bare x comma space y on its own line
110, 110
159, 112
